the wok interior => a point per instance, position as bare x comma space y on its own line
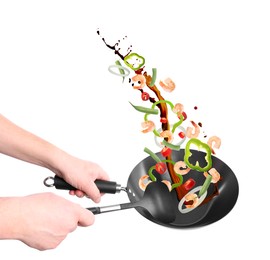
205, 214
158, 201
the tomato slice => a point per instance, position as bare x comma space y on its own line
166, 151
189, 184
160, 167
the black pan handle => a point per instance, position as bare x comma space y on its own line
95, 210
104, 186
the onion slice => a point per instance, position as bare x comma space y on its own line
119, 67
182, 201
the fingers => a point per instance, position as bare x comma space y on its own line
86, 218
78, 193
89, 172
92, 190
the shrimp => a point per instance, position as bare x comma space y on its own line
194, 198
141, 80
178, 109
215, 175
168, 86
143, 183
148, 126
189, 133
169, 185
181, 164
217, 142
167, 134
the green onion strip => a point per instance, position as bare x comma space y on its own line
171, 146
150, 173
175, 185
178, 123
121, 70
169, 161
156, 133
154, 76
163, 101
206, 185
145, 110
152, 154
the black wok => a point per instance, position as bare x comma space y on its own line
217, 208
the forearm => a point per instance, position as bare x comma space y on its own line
9, 215
21, 144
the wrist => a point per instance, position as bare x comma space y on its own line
57, 160
10, 215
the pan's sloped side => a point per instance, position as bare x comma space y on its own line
222, 204
207, 213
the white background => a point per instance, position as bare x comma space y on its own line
54, 82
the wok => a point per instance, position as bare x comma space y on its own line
206, 213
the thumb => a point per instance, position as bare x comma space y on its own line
86, 218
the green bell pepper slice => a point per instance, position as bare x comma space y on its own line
201, 146
134, 61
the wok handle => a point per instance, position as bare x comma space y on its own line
104, 209
104, 186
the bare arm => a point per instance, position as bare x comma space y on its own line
21, 144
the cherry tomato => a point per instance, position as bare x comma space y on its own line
145, 96
189, 184
166, 151
160, 167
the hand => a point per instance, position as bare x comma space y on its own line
81, 174
42, 221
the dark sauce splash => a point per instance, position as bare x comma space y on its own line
116, 48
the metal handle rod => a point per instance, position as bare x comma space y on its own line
105, 209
